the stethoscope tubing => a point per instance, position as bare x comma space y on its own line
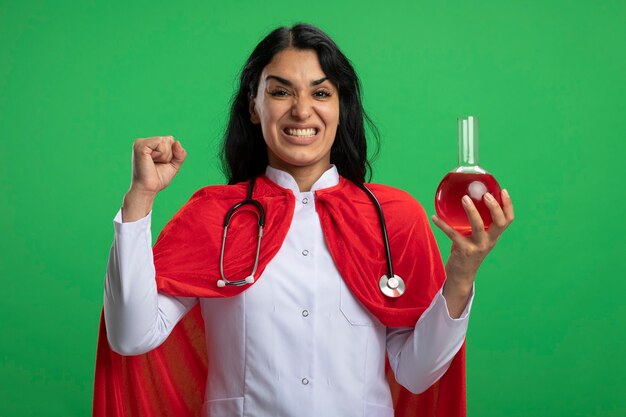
390, 285
383, 226
260, 213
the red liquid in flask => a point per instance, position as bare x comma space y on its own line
452, 189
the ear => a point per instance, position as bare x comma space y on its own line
254, 116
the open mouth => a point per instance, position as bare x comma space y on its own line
301, 133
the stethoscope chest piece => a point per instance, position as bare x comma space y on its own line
392, 287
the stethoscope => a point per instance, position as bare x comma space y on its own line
391, 287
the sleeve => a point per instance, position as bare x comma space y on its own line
419, 356
137, 317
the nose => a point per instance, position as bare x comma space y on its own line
301, 109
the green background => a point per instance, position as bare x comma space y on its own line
79, 81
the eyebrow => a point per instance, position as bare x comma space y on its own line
289, 83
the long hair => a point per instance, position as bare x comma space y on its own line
244, 152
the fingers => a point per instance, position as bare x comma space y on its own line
507, 206
467, 254
163, 151
156, 160
497, 216
478, 227
448, 230
159, 148
179, 154
501, 216
476, 222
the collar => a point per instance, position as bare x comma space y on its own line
329, 178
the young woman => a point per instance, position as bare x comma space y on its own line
303, 326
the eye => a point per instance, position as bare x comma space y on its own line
322, 94
279, 92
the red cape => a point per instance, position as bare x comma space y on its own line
170, 380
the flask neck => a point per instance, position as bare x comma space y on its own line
468, 145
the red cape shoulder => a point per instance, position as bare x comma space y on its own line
399, 199
187, 252
352, 229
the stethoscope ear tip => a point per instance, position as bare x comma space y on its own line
224, 282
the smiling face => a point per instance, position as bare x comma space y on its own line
298, 109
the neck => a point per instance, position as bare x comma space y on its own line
305, 176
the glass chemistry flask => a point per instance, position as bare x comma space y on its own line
467, 179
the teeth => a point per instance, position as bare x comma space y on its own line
301, 132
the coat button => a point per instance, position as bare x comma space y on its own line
305, 381
305, 313
305, 252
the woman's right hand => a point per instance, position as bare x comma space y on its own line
156, 161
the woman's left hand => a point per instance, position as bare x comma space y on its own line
467, 253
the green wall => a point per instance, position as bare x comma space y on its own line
79, 81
